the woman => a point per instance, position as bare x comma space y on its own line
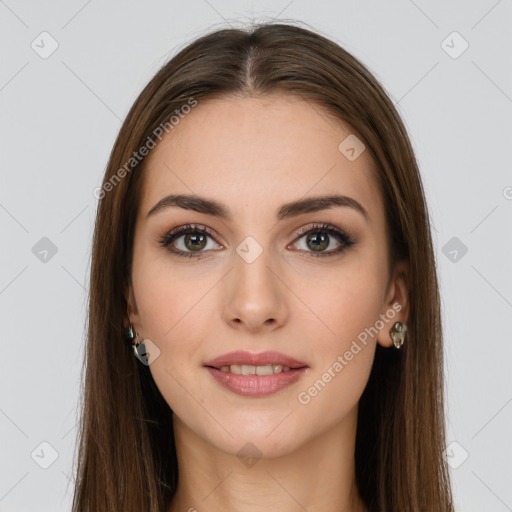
262, 247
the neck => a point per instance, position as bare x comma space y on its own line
319, 475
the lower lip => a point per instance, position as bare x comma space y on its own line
256, 385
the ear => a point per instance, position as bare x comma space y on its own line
396, 303
133, 314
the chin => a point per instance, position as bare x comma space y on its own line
267, 438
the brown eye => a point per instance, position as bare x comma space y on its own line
317, 241
194, 241
319, 238
189, 241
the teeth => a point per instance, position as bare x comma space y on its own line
247, 369
267, 370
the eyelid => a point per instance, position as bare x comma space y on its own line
343, 237
173, 234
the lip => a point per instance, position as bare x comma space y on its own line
260, 359
256, 385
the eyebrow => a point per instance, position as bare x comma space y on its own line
286, 211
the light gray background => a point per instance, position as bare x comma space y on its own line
59, 119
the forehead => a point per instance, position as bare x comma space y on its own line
258, 151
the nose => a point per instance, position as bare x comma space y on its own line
256, 295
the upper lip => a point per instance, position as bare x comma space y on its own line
261, 359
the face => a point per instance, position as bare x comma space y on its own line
308, 282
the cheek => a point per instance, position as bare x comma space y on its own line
165, 300
342, 333
344, 304
173, 317
176, 317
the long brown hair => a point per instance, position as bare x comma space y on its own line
126, 458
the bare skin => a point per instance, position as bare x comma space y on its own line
253, 155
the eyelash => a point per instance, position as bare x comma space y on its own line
342, 237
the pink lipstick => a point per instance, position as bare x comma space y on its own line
255, 375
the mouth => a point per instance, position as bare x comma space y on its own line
247, 369
239, 360
255, 375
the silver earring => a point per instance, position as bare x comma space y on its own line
139, 348
398, 332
